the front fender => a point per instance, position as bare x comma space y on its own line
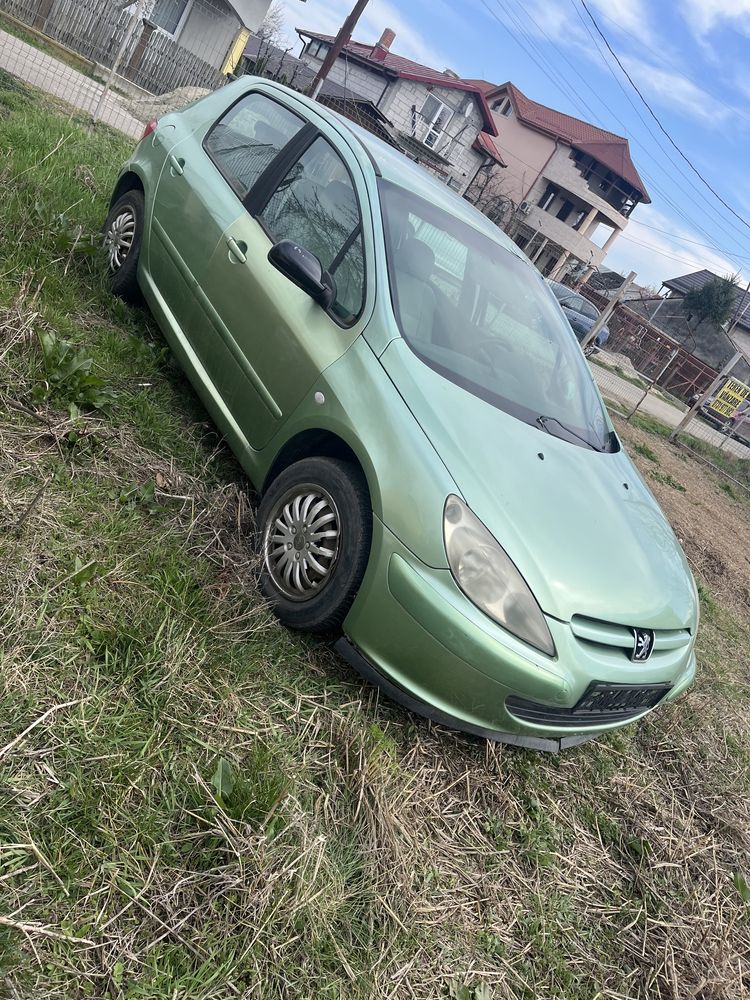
408, 482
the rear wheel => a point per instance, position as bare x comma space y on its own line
123, 233
315, 526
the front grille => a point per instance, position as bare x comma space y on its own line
609, 638
630, 700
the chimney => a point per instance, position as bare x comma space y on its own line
381, 50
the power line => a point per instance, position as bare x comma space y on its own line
658, 121
578, 100
660, 55
657, 250
660, 146
684, 239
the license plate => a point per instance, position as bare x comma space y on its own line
601, 697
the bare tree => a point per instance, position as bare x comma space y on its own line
272, 30
487, 193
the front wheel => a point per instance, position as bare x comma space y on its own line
315, 527
123, 232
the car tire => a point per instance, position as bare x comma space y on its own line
314, 534
123, 234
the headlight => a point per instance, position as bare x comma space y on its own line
484, 572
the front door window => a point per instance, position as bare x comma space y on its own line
316, 206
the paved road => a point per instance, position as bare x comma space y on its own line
62, 81
619, 390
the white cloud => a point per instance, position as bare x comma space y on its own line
327, 16
676, 91
705, 16
657, 256
631, 15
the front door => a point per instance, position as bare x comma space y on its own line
194, 206
278, 337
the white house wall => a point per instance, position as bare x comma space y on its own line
209, 29
455, 146
352, 76
252, 13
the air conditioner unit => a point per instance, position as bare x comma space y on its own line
524, 207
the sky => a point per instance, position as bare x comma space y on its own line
689, 58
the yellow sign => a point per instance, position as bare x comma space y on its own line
728, 398
235, 52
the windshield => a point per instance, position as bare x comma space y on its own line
485, 319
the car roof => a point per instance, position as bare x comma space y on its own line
394, 166
398, 169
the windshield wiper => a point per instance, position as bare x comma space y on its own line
543, 420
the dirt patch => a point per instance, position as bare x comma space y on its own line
154, 107
713, 527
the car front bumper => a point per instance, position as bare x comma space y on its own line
415, 634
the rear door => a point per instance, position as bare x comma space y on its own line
194, 204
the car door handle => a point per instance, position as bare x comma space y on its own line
237, 251
176, 167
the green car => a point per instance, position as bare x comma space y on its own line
441, 484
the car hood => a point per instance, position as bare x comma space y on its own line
580, 525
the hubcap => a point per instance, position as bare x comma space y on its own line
118, 240
301, 541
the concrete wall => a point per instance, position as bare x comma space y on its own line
455, 145
395, 98
352, 76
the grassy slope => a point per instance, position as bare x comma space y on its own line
354, 851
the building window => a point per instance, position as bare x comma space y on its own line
522, 242
550, 193
567, 208
503, 107
318, 50
169, 15
435, 115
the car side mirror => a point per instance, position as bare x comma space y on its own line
303, 268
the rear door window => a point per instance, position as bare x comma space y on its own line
315, 204
249, 137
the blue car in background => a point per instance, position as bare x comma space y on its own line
580, 313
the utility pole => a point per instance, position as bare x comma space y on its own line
343, 38
720, 377
610, 308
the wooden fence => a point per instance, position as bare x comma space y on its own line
649, 348
95, 30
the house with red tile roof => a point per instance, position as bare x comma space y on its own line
569, 187
563, 188
441, 121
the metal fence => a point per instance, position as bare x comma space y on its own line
109, 58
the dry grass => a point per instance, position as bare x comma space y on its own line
197, 804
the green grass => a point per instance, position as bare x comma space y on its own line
724, 461
667, 480
196, 803
645, 452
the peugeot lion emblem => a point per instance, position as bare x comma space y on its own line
643, 644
